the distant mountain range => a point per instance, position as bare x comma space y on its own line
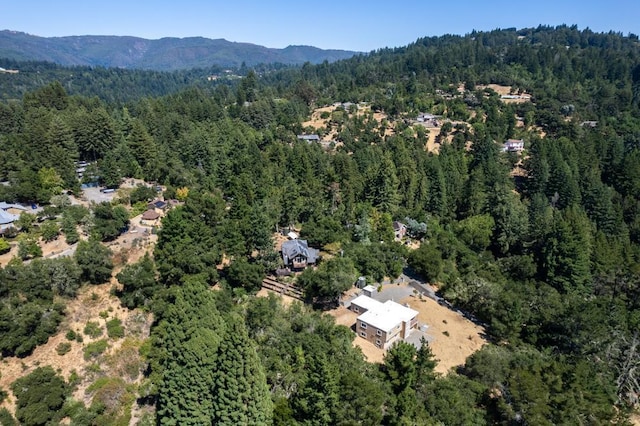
166, 54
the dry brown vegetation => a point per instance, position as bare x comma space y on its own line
507, 90
317, 122
454, 337
94, 303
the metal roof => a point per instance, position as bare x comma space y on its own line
6, 218
4, 206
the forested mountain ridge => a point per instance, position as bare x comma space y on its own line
112, 85
166, 54
548, 258
575, 65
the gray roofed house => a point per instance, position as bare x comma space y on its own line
513, 145
591, 123
6, 206
298, 255
6, 220
309, 138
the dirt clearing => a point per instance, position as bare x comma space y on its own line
286, 300
454, 336
507, 94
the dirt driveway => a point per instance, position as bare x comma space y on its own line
94, 195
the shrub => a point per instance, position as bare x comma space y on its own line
94, 368
115, 330
93, 329
93, 350
71, 236
50, 230
39, 397
63, 348
71, 335
6, 419
74, 379
4, 246
28, 248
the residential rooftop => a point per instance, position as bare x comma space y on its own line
384, 316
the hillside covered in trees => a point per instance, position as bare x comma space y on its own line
542, 246
165, 54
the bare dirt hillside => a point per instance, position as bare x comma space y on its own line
317, 122
97, 304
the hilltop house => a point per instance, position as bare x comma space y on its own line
513, 145
309, 138
383, 323
592, 124
296, 254
428, 120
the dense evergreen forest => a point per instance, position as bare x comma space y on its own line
548, 258
114, 85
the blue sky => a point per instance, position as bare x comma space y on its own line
329, 24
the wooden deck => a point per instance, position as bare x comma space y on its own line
282, 288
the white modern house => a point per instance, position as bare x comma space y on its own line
383, 323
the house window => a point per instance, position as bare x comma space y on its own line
378, 333
363, 334
378, 342
356, 309
363, 325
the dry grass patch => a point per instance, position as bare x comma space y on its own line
97, 304
455, 338
286, 300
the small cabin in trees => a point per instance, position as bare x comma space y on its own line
428, 120
383, 323
150, 218
399, 230
309, 138
591, 124
296, 254
513, 145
